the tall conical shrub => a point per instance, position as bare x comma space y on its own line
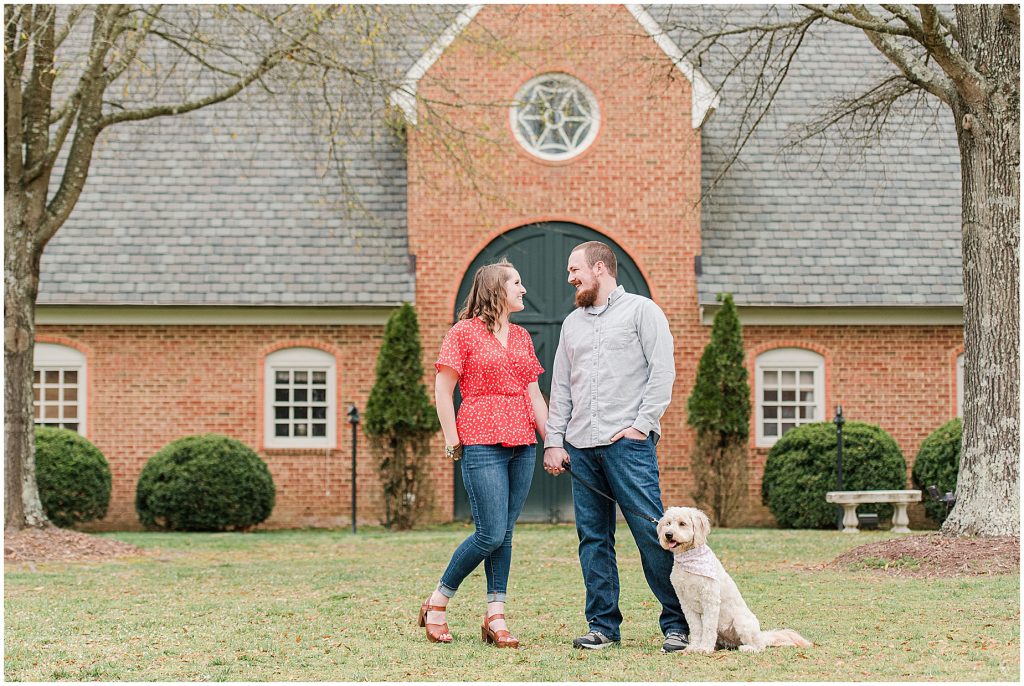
400, 421
719, 409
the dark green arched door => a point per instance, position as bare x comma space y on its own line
540, 252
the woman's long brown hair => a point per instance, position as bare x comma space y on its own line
487, 298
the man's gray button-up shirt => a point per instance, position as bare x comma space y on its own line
614, 368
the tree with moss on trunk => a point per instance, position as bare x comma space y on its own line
400, 421
719, 409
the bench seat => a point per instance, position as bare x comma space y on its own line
851, 499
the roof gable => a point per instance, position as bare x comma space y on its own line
704, 100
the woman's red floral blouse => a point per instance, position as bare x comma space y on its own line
496, 406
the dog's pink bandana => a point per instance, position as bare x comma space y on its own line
700, 561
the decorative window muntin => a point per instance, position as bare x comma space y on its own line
300, 399
58, 387
555, 116
789, 387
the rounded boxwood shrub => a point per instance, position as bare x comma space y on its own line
72, 475
937, 464
204, 483
801, 469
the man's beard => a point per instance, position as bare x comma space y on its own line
588, 296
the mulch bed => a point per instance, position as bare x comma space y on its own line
935, 555
53, 544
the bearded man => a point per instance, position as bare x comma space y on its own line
611, 383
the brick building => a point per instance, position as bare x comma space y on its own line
214, 279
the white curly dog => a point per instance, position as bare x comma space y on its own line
711, 602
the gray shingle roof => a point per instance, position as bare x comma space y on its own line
237, 205
834, 222
241, 203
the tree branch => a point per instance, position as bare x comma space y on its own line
90, 94
38, 92
936, 83
15, 53
865, 21
132, 46
268, 63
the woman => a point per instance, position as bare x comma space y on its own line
494, 363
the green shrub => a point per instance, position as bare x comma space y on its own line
937, 464
72, 475
204, 483
801, 469
719, 409
400, 421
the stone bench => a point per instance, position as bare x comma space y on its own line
851, 499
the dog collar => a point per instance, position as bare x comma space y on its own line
700, 560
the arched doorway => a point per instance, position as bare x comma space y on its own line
540, 251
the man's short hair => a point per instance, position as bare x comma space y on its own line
596, 251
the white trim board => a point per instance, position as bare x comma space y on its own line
184, 316
840, 316
704, 101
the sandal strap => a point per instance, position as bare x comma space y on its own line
491, 618
435, 608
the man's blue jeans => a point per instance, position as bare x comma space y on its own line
497, 481
627, 470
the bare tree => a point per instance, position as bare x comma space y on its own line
969, 60
70, 73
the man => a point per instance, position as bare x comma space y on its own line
611, 383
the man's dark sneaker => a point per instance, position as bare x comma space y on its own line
674, 642
594, 640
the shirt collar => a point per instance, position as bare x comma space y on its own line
612, 297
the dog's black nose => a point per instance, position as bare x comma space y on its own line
668, 535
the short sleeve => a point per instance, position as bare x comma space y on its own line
453, 352
533, 368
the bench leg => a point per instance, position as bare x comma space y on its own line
900, 520
850, 520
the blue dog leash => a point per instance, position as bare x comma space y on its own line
565, 466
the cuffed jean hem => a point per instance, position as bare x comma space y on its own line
492, 597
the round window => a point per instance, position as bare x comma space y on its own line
555, 116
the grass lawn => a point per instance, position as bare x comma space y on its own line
330, 606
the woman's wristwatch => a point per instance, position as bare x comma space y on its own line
453, 452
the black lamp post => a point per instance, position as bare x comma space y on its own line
353, 419
839, 421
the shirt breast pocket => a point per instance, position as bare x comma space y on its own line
620, 338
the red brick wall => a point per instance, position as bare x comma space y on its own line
902, 378
638, 183
149, 385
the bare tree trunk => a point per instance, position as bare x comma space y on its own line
988, 127
21, 284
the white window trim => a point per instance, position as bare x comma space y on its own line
291, 358
55, 356
795, 359
960, 385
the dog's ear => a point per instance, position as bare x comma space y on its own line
701, 528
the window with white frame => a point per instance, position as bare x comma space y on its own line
58, 387
299, 399
790, 391
960, 385
555, 116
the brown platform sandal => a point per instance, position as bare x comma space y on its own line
439, 629
500, 638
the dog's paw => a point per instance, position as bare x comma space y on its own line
693, 648
750, 649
